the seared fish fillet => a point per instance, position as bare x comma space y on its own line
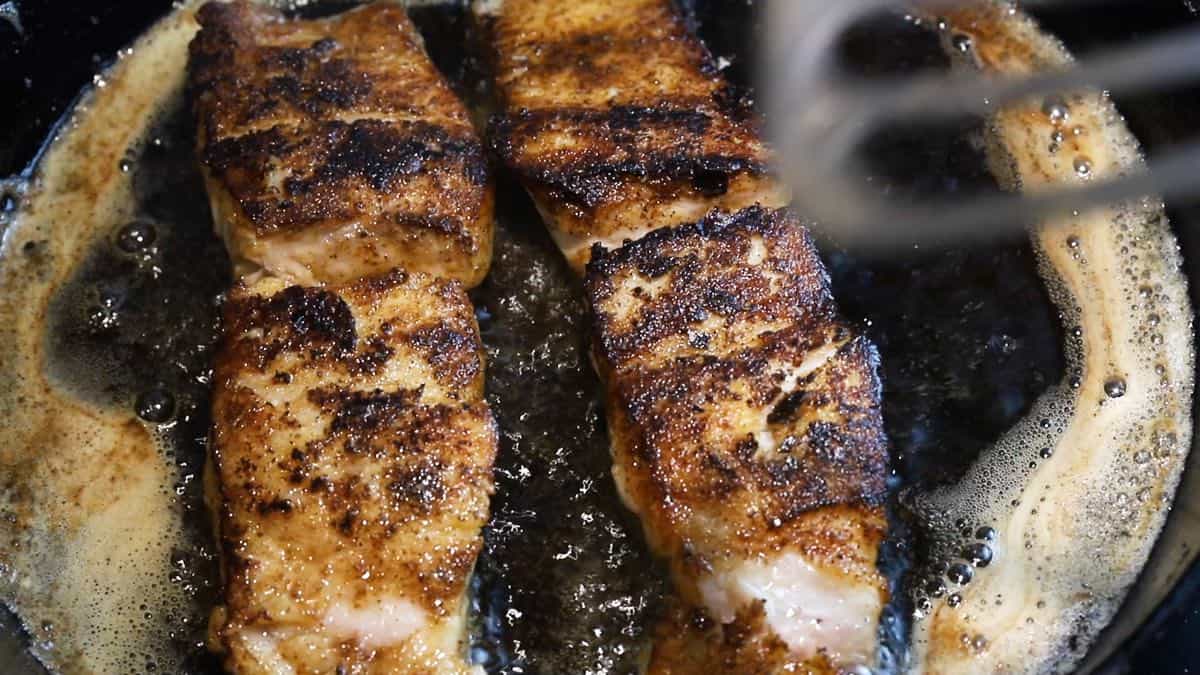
352, 451
617, 121
352, 460
747, 435
333, 148
745, 418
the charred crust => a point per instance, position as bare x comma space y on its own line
362, 412
707, 273
382, 283
842, 460
669, 118
716, 226
318, 325
376, 354
663, 143
333, 155
310, 79
275, 506
453, 350
307, 126
296, 319
246, 67
698, 325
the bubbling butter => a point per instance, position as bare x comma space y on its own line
91, 520
1035, 548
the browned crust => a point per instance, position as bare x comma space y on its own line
703, 273
584, 157
309, 126
352, 445
709, 336
369, 156
832, 452
696, 362
600, 95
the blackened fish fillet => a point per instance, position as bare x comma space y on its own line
617, 121
746, 434
333, 148
352, 457
352, 451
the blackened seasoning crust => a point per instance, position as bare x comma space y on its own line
352, 450
585, 157
342, 487
745, 423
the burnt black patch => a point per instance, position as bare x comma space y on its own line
589, 176
275, 506
785, 411
357, 411
296, 319
373, 357
379, 153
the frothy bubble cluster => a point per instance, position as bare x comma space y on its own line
107, 556
1090, 473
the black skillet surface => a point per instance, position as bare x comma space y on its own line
1010, 350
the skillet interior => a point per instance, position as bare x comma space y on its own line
562, 556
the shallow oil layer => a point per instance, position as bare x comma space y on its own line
104, 554
968, 339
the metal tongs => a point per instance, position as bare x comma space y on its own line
820, 115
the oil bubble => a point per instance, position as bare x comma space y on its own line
1114, 387
980, 555
155, 405
1056, 109
960, 573
136, 236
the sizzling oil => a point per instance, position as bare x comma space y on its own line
101, 320
103, 547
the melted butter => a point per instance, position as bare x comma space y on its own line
1079, 490
96, 507
91, 520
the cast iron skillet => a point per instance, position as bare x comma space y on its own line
62, 44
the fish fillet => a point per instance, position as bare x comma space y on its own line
617, 120
352, 451
746, 435
352, 457
744, 416
333, 149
